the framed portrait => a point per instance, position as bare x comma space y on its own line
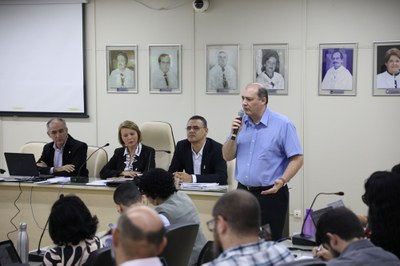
165, 68
122, 69
386, 68
270, 63
337, 69
222, 68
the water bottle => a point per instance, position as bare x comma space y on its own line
23, 243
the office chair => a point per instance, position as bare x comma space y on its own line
206, 253
35, 147
100, 257
181, 238
159, 135
97, 161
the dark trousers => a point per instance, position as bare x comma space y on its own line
273, 208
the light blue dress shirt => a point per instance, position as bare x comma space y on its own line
264, 149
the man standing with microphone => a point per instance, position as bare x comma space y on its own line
268, 154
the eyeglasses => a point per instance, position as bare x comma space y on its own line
211, 224
194, 128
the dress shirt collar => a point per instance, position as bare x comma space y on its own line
137, 152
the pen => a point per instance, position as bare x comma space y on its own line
319, 248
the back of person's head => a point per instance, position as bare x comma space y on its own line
157, 183
383, 199
396, 169
127, 194
140, 233
70, 221
130, 125
241, 211
339, 221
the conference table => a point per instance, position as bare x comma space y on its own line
31, 203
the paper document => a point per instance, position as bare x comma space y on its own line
102, 182
55, 180
198, 185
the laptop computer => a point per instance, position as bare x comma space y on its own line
8, 254
22, 167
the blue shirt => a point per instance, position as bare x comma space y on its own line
258, 253
264, 150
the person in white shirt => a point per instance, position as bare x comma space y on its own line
337, 77
390, 79
270, 77
222, 75
164, 78
121, 78
139, 237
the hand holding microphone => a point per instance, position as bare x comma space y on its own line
236, 125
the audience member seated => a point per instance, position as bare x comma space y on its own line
64, 155
396, 169
125, 196
198, 159
139, 237
341, 235
159, 187
133, 157
72, 228
383, 199
236, 225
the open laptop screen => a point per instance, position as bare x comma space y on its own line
8, 253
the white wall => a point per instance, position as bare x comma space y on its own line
345, 138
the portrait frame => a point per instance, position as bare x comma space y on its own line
121, 81
382, 81
341, 82
165, 78
278, 84
222, 69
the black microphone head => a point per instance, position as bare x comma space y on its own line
106, 145
340, 193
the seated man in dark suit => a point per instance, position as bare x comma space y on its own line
198, 156
64, 155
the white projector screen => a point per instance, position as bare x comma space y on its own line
41, 60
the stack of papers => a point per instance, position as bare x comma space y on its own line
202, 186
54, 180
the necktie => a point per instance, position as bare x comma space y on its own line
122, 79
166, 79
224, 82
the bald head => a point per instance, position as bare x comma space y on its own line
140, 233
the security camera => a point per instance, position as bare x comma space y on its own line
200, 5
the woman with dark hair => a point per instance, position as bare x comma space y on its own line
383, 199
390, 78
159, 187
133, 157
270, 77
72, 228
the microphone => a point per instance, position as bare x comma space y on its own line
307, 240
2, 171
235, 131
85, 179
37, 256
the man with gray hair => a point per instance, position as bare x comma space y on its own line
64, 156
139, 237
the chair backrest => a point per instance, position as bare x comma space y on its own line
35, 147
100, 257
181, 238
206, 253
159, 135
97, 161
232, 183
